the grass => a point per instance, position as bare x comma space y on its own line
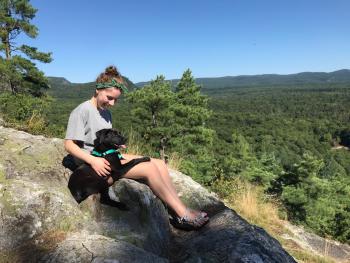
174, 161
257, 208
133, 145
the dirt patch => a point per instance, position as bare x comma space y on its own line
34, 249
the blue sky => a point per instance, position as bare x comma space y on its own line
212, 38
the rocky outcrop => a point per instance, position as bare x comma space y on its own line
41, 222
82, 247
317, 245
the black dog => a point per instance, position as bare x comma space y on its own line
84, 181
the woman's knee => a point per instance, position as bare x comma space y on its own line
145, 170
159, 163
151, 170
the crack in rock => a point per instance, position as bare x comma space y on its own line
92, 254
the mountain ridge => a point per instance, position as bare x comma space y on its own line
338, 76
63, 88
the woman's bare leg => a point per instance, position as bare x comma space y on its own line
166, 180
149, 172
163, 170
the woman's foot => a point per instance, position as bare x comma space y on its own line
191, 220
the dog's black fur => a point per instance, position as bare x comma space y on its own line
84, 181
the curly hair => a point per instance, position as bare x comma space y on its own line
111, 72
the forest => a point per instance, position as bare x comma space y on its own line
292, 140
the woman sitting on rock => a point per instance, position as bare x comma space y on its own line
93, 115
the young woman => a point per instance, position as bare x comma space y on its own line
92, 116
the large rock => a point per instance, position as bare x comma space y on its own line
97, 249
41, 222
317, 245
228, 238
29, 209
33, 193
147, 224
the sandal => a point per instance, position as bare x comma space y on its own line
188, 223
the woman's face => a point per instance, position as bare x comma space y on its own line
107, 97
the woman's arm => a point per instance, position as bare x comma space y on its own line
100, 165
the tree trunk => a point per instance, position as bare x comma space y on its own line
7, 47
6, 41
6, 38
154, 120
13, 88
163, 156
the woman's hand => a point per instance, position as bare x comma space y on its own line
101, 166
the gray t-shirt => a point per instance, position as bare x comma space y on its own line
84, 121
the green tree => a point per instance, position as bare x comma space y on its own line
171, 121
191, 115
262, 171
26, 112
152, 115
299, 186
194, 139
18, 72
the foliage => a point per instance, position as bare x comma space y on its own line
285, 138
26, 112
193, 140
250, 202
152, 115
18, 72
175, 121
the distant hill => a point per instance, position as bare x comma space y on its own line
63, 89
340, 76
58, 81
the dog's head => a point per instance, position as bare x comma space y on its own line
107, 139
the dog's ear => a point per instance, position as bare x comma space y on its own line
100, 135
117, 137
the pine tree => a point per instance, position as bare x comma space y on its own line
191, 114
194, 140
19, 73
299, 186
152, 115
176, 122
